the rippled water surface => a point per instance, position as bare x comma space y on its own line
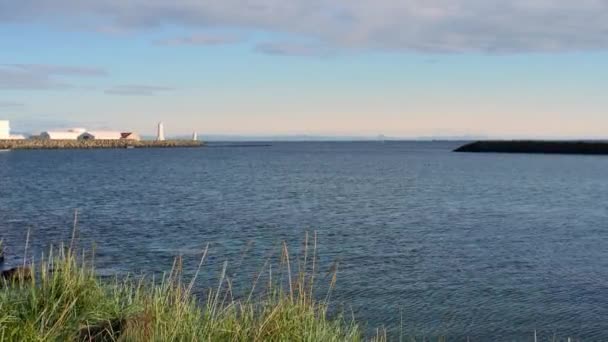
483, 245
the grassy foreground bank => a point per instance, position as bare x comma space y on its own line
62, 299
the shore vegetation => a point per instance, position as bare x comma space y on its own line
61, 298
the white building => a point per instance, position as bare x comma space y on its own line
79, 130
109, 135
59, 135
5, 131
100, 135
130, 136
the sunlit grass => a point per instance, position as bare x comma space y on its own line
61, 298
65, 300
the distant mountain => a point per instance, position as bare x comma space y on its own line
303, 137
311, 137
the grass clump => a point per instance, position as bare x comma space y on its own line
64, 300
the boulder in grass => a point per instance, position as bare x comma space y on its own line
16, 274
108, 330
113, 329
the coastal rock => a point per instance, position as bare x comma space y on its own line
113, 329
104, 331
16, 274
536, 146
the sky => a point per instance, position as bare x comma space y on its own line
400, 68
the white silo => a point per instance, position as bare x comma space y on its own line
161, 132
5, 129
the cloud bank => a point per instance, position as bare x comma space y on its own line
11, 105
489, 26
199, 40
292, 49
41, 76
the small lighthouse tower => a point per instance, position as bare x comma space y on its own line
161, 132
194, 136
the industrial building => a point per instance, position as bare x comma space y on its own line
5, 131
76, 134
69, 134
130, 136
77, 130
59, 135
108, 135
83, 134
100, 135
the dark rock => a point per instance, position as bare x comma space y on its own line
111, 330
17, 274
105, 331
537, 146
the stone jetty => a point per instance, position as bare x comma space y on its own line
36, 144
537, 146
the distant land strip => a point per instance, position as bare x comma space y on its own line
537, 146
33, 144
238, 145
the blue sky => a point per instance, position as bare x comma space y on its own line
535, 68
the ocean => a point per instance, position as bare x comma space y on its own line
427, 242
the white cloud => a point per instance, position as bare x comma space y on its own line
493, 26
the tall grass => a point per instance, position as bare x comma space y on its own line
61, 298
65, 300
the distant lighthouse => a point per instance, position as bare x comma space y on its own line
161, 132
194, 136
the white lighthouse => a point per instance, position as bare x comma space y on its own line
194, 136
161, 132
